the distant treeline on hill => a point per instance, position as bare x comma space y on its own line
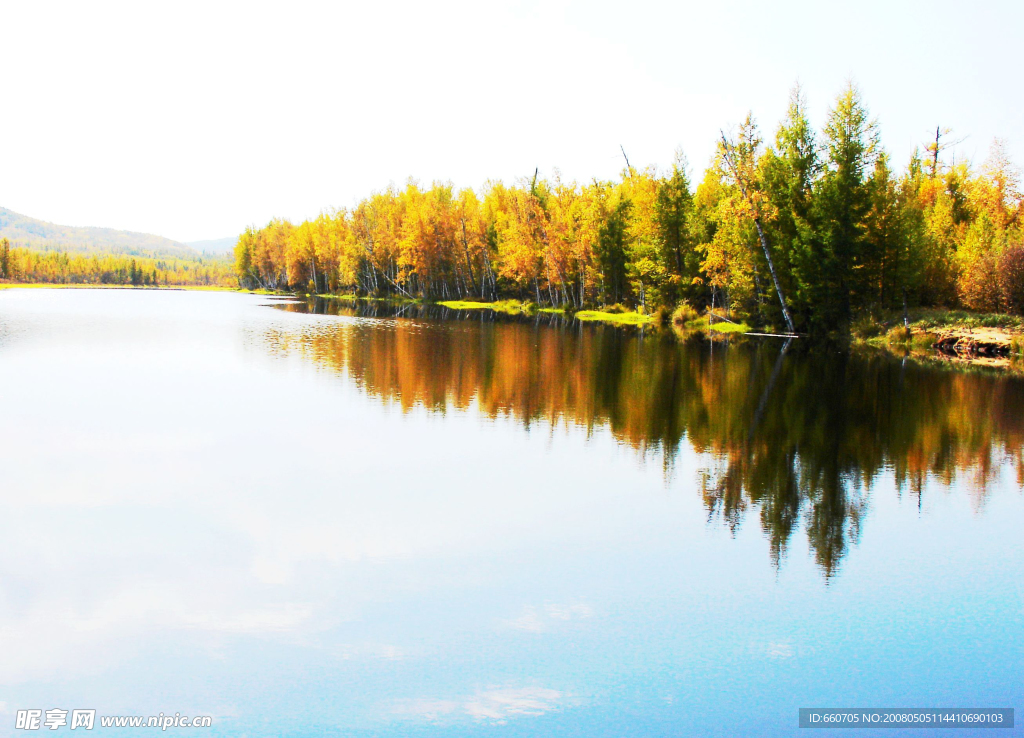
58, 267
38, 235
800, 233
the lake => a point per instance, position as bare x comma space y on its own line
313, 518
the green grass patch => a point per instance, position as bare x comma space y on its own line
511, 307
629, 318
730, 328
468, 305
870, 325
939, 318
719, 326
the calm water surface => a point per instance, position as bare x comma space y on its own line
311, 521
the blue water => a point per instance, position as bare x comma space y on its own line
199, 516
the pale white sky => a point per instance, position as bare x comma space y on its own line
193, 119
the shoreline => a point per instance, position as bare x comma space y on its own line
958, 337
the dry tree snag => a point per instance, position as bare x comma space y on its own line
739, 161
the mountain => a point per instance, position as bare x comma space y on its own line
215, 246
28, 232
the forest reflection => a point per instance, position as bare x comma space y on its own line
793, 436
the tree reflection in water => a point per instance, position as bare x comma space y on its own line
791, 433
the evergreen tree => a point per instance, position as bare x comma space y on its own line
673, 207
611, 250
5, 259
841, 201
789, 172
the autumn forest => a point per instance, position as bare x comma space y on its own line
59, 267
796, 229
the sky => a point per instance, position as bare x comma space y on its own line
192, 120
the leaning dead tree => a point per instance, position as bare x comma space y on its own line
629, 167
740, 163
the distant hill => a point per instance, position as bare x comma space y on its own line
217, 246
28, 232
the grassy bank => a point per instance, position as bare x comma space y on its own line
615, 315
871, 325
509, 307
515, 307
616, 318
958, 333
719, 326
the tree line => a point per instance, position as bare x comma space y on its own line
61, 267
800, 232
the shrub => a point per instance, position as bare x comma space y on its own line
924, 340
867, 327
684, 313
1011, 279
899, 335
